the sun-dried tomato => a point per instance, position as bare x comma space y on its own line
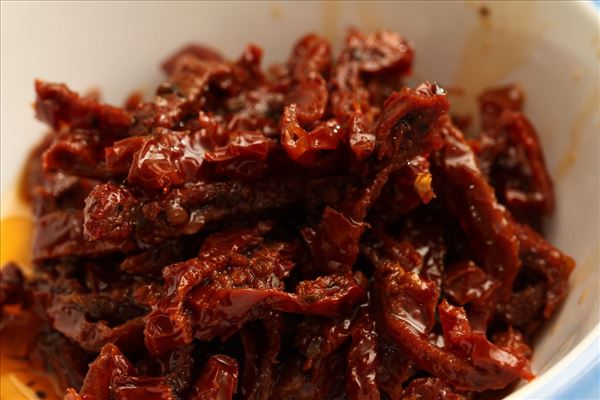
313, 230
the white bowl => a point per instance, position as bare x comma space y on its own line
551, 48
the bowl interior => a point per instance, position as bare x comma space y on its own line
550, 48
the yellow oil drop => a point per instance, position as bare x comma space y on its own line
15, 240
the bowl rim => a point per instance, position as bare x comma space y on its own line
581, 365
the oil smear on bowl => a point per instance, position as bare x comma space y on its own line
493, 49
590, 107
